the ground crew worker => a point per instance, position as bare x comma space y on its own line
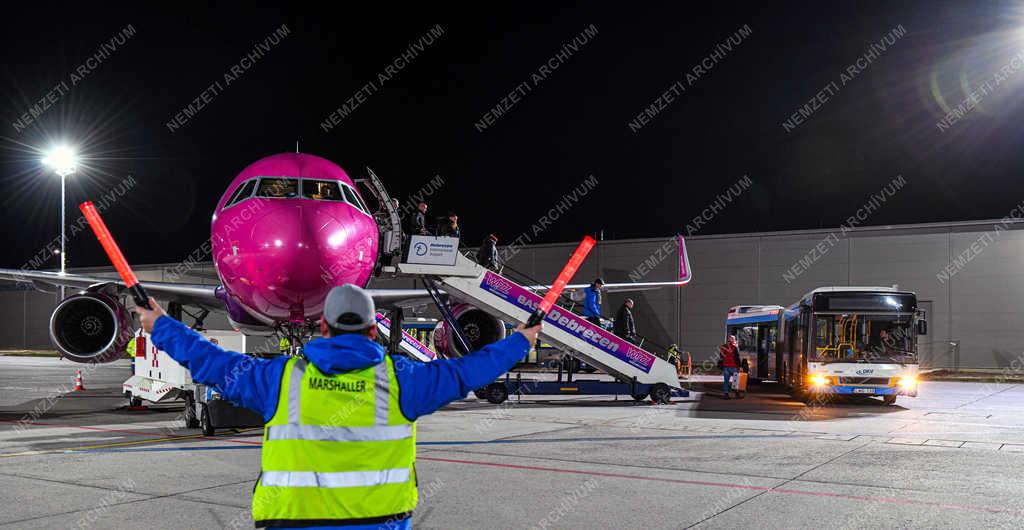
130, 348
592, 301
672, 354
339, 445
284, 345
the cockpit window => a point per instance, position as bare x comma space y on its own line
322, 190
242, 193
280, 188
354, 199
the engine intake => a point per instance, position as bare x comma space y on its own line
91, 328
479, 327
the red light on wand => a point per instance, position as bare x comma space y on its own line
114, 253
561, 281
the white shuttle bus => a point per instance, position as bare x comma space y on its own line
851, 341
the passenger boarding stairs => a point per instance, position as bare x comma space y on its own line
408, 343
511, 302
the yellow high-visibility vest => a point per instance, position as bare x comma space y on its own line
337, 451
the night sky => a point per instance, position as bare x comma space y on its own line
569, 125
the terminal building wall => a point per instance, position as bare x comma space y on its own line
973, 316
973, 308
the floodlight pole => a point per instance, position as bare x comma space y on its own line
63, 227
63, 161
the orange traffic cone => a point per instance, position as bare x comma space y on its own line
78, 381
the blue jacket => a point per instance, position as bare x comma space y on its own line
591, 302
256, 383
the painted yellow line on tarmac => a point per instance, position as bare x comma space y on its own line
134, 442
100, 446
109, 445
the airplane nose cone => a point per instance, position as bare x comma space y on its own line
284, 263
295, 253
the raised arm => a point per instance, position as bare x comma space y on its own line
426, 387
242, 379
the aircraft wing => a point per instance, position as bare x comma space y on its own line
399, 297
685, 275
185, 293
406, 297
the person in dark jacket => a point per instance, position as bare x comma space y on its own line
592, 301
625, 325
334, 364
730, 359
451, 227
487, 255
418, 227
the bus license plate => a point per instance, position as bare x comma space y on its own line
863, 390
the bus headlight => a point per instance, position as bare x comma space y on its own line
908, 382
818, 380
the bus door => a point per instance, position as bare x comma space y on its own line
766, 337
746, 342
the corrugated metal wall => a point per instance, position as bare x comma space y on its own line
975, 317
980, 307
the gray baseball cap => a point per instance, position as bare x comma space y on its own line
349, 308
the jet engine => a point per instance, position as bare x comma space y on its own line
479, 327
91, 327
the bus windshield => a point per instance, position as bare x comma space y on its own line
852, 337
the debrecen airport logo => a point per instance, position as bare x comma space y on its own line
421, 249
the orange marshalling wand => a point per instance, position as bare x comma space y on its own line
114, 253
561, 281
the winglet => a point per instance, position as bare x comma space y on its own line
685, 274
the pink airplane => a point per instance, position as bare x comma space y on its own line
288, 228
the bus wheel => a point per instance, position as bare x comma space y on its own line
497, 393
661, 394
890, 399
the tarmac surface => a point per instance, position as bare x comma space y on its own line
953, 457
